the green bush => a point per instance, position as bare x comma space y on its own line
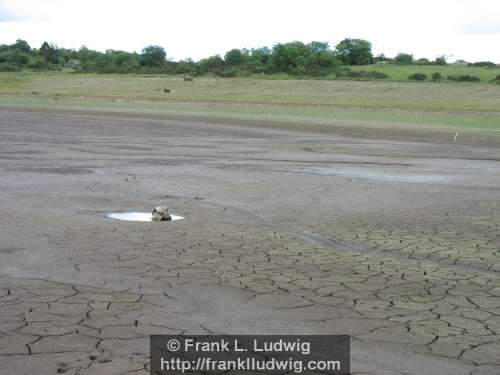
228, 72
403, 59
298, 59
21, 45
213, 64
234, 57
37, 64
7, 67
365, 74
436, 77
483, 64
50, 53
417, 77
14, 57
153, 56
463, 78
355, 52
423, 61
381, 58
441, 60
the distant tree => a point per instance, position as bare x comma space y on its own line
381, 58
14, 57
403, 59
325, 59
440, 60
234, 57
7, 67
261, 52
49, 53
483, 64
67, 54
104, 63
423, 61
37, 63
296, 58
355, 52
318, 47
87, 59
290, 58
22, 46
258, 59
153, 56
114, 62
214, 64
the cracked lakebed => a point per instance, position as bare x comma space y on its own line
409, 270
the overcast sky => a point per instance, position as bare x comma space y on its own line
462, 29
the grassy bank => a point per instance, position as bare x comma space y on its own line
401, 72
352, 103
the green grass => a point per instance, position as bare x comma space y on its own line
349, 103
401, 72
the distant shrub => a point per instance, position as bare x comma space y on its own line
15, 57
497, 79
366, 74
132, 67
37, 64
441, 60
7, 67
436, 77
483, 64
377, 74
228, 73
153, 56
403, 59
418, 76
381, 59
423, 61
234, 57
354, 52
463, 78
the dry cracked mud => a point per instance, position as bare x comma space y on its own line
393, 242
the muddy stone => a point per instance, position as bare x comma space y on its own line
160, 213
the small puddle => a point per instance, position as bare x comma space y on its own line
138, 216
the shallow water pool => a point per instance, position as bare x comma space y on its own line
138, 216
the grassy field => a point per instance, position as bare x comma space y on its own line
401, 72
349, 103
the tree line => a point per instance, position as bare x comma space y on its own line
293, 58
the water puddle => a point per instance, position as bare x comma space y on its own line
138, 216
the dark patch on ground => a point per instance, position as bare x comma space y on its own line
52, 170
